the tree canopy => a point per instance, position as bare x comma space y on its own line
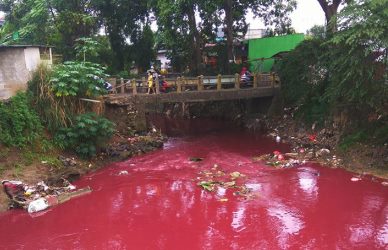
184, 26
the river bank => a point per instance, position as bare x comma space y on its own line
322, 144
31, 167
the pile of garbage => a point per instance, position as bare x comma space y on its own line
38, 197
216, 178
136, 145
309, 147
279, 160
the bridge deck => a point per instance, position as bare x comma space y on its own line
194, 96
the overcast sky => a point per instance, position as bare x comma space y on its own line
307, 14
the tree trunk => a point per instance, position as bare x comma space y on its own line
196, 39
228, 5
330, 13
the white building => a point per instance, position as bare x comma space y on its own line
17, 63
162, 58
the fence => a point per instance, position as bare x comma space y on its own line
200, 83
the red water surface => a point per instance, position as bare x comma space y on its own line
159, 206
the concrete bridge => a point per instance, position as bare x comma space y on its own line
130, 96
199, 89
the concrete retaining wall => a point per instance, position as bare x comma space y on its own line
16, 67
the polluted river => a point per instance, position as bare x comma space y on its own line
204, 191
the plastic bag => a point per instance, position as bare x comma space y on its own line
37, 205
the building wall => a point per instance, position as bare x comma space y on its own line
162, 57
16, 67
268, 47
32, 58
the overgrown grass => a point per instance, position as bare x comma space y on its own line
375, 134
19, 124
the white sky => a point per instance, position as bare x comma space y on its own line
307, 14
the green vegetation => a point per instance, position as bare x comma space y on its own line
19, 124
86, 134
66, 24
343, 78
54, 101
78, 79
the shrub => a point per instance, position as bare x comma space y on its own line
78, 79
19, 124
85, 135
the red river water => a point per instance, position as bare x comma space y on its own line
158, 204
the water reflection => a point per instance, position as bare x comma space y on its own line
238, 218
287, 221
308, 182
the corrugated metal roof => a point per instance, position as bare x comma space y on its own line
25, 46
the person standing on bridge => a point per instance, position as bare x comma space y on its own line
150, 82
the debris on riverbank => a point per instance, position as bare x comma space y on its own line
321, 145
53, 166
123, 147
38, 197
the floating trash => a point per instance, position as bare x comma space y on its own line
196, 159
124, 172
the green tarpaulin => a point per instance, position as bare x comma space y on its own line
263, 49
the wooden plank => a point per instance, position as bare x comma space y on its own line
67, 196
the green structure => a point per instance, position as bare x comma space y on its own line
262, 50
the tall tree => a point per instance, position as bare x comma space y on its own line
122, 19
276, 15
273, 12
142, 50
179, 29
330, 8
29, 18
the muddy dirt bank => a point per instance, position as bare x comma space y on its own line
32, 167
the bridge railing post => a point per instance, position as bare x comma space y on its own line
255, 78
157, 84
144, 83
179, 85
272, 79
183, 83
219, 82
122, 86
237, 81
134, 87
200, 83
